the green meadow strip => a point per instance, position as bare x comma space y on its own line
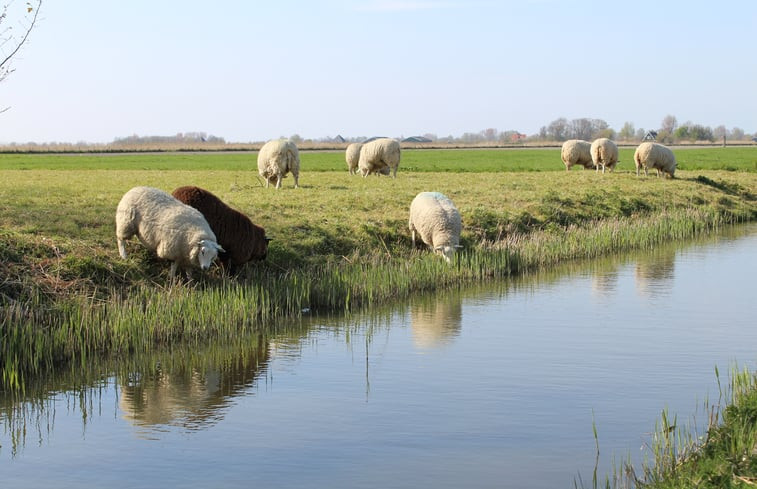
340, 242
36, 339
462, 160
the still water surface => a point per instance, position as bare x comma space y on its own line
488, 387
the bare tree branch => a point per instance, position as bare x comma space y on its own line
5, 70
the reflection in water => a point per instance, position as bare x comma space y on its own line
527, 388
19, 419
436, 320
604, 277
604, 282
189, 396
655, 272
32, 414
187, 387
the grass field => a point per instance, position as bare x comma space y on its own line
737, 158
72, 197
339, 241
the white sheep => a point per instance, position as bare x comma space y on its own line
604, 153
175, 231
576, 152
657, 156
380, 156
437, 220
352, 156
277, 158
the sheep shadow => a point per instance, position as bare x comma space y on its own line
729, 188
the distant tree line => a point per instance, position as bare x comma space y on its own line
179, 138
588, 129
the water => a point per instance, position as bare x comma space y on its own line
497, 386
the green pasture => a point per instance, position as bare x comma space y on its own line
336, 214
70, 200
339, 241
413, 160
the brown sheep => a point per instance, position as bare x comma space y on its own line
242, 240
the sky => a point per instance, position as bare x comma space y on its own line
247, 71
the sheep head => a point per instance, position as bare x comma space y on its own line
448, 252
207, 251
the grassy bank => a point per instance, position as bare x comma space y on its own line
340, 242
714, 453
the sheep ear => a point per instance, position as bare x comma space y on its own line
268, 240
458, 246
204, 242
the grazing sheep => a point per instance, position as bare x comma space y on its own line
576, 152
277, 158
175, 231
604, 153
657, 156
352, 155
380, 156
242, 240
437, 220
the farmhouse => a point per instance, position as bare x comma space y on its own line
417, 139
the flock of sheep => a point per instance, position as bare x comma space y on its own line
192, 227
603, 153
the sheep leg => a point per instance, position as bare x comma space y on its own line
296, 180
278, 181
174, 266
413, 236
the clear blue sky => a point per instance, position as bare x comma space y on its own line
253, 70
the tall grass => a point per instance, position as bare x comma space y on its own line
682, 454
38, 336
340, 242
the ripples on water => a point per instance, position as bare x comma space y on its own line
490, 387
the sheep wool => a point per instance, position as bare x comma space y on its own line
352, 156
604, 153
657, 156
436, 219
576, 152
242, 240
277, 158
173, 230
380, 156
